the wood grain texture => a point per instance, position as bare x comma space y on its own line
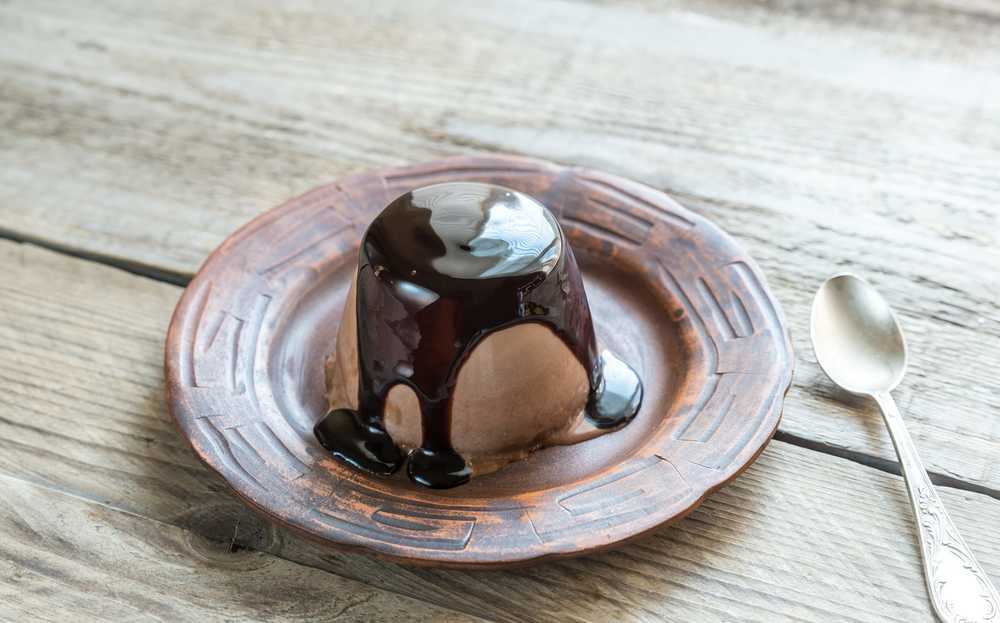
840, 135
801, 536
66, 558
247, 344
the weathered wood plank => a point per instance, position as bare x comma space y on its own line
840, 136
801, 536
65, 558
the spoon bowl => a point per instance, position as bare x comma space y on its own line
857, 339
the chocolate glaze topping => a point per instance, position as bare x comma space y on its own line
440, 268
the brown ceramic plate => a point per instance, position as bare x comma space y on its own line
672, 294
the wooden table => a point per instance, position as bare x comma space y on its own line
134, 137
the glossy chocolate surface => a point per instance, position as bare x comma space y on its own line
440, 268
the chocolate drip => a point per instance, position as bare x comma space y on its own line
440, 268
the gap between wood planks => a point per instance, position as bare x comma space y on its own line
179, 279
135, 268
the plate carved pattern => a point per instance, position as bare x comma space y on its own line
221, 390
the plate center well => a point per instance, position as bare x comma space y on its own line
628, 319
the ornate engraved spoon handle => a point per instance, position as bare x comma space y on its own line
960, 590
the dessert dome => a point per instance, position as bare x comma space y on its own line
467, 341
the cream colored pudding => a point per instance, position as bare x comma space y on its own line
505, 404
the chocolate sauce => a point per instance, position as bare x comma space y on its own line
440, 268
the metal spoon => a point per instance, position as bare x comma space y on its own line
860, 346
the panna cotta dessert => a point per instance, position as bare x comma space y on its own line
467, 342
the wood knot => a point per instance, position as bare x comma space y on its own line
227, 533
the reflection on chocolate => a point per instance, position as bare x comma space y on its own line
441, 268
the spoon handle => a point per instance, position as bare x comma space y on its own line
960, 590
